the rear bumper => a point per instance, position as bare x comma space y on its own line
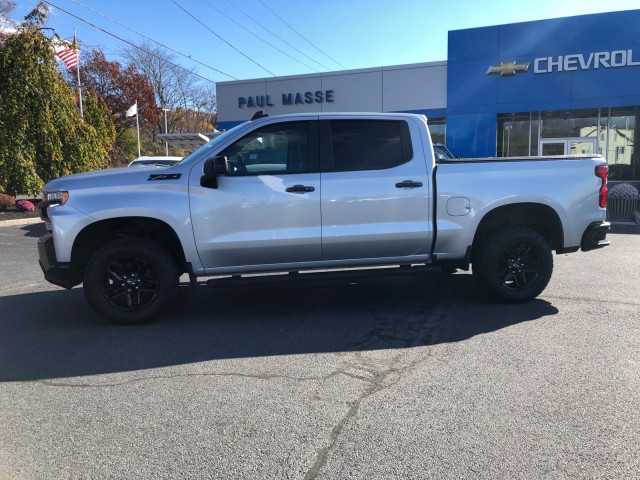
595, 236
58, 273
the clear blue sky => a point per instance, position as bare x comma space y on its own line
353, 33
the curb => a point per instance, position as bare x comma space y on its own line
22, 221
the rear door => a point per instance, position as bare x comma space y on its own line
375, 189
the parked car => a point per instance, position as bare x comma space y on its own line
157, 161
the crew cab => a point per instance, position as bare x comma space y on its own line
309, 192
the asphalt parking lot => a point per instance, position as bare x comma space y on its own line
408, 377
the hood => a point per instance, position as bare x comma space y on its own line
123, 176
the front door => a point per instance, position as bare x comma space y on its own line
266, 210
568, 146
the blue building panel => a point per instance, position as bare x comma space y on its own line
473, 44
519, 41
468, 84
588, 61
606, 31
472, 135
532, 89
609, 82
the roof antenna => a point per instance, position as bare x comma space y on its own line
259, 114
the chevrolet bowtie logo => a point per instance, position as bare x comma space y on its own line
508, 68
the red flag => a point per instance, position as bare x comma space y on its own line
68, 53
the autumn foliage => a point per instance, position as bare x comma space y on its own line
120, 87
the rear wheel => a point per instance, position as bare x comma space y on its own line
130, 280
514, 264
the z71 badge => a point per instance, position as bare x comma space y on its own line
164, 176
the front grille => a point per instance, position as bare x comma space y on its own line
44, 205
44, 215
47, 251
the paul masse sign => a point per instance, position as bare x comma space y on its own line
299, 98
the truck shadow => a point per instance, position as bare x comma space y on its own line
34, 230
54, 334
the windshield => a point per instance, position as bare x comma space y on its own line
207, 147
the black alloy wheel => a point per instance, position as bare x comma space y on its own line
519, 266
514, 264
131, 284
130, 280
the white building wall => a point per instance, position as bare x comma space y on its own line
419, 86
411, 87
354, 90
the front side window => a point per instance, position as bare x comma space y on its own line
274, 149
369, 144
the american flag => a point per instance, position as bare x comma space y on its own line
68, 53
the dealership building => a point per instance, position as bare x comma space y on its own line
551, 87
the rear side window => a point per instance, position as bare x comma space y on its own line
367, 144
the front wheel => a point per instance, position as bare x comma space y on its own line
130, 280
514, 264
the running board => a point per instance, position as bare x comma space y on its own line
315, 276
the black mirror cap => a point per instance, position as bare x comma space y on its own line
216, 166
212, 168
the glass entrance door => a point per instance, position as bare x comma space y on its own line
568, 146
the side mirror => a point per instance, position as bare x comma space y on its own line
212, 168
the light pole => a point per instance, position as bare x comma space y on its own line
166, 144
508, 129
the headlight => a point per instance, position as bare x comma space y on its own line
56, 198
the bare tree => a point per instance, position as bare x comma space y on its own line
206, 102
6, 23
176, 88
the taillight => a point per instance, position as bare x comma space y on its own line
602, 172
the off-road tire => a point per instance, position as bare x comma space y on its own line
130, 280
513, 264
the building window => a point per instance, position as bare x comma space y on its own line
514, 135
610, 132
569, 124
438, 130
621, 136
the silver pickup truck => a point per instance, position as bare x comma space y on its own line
315, 194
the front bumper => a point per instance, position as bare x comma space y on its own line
58, 273
595, 236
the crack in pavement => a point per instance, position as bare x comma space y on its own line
382, 380
420, 327
264, 376
618, 301
397, 330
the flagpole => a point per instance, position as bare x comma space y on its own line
138, 127
78, 70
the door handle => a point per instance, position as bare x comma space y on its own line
408, 184
300, 189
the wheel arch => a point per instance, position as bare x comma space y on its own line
99, 233
539, 217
